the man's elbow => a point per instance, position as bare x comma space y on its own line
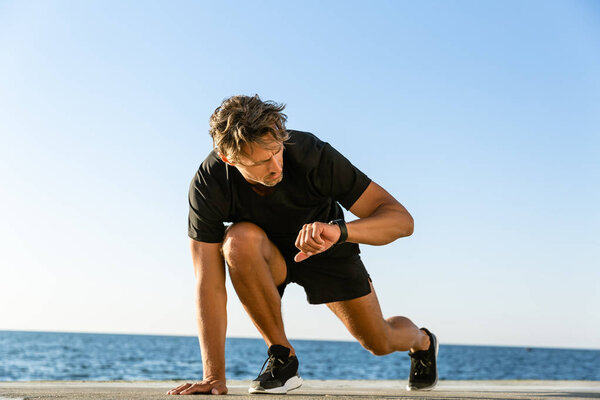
406, 225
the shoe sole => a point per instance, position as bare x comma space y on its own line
437, 347
293, 383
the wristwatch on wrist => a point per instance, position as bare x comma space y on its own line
343, 230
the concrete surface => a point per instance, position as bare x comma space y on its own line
330, 390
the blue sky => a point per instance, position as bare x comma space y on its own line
482, 118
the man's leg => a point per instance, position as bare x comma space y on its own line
363, 319
362, 316
256, 268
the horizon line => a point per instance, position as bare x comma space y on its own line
292, 339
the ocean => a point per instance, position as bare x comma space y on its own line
28, 356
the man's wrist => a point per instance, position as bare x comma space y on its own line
343, 230
213, 378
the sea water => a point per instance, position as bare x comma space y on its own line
82, 356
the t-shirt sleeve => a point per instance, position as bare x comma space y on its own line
207, 210
339, 178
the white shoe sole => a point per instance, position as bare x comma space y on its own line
293, 383
437, 347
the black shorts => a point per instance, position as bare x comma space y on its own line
328, 279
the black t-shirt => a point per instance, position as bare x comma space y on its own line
315, 179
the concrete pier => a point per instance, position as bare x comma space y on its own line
331, 390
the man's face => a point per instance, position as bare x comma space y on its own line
263, 163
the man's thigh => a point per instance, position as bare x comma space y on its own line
362, 317
247, 243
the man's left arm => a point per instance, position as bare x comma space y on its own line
382, 219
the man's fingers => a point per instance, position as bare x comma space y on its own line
316, 233
305, 234
310, 248
300, 257
206, 386
301, 245
179, 388
310, 241
306, 241
212, 387
192, 389
197, 388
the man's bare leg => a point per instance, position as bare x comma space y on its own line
364, 320
256, 268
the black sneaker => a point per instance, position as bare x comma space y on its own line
281, 374
423, 366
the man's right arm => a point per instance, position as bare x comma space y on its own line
211, 315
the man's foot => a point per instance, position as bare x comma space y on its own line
423, 366
280, 375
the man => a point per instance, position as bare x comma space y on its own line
282, 190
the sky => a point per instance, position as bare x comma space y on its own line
481, 118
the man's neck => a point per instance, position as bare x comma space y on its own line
262, 190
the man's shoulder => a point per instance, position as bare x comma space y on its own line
302, 137
212, 164
209, 201
303, 145
211, 171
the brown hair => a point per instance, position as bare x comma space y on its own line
241, 120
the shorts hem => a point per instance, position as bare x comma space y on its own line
342, 297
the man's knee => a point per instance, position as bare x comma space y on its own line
377, 346
242, 239
379, 342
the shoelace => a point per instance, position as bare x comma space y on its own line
270, 366
421, 366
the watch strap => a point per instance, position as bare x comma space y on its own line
343, 230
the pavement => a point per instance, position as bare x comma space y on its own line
312, 389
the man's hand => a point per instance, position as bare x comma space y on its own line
315, 238
207, 386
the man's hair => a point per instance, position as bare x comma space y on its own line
241, 120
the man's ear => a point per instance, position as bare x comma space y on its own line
225, 159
